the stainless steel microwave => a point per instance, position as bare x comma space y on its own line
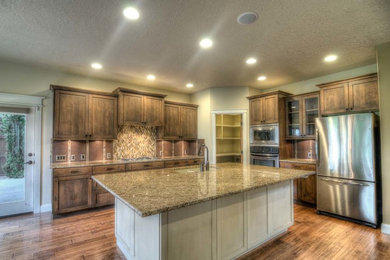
264, 135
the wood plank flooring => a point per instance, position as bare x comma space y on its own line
90, 235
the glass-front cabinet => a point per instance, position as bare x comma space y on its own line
301, 113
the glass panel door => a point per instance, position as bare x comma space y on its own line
16, 192
310, 114
293, 118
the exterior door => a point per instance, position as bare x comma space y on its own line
17, 135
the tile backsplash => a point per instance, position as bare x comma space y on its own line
135, 141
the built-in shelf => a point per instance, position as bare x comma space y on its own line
228, 154
228, 138
229, 126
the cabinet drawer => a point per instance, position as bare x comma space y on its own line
170, 164
109, 168
73, 171
144, 166
298, 166
194, 162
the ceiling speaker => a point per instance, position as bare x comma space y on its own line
247, 18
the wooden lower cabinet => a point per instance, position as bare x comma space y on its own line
305, 189
74, 189
71, 193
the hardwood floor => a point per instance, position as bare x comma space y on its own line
90, 235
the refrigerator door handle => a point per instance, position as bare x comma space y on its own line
317, 148
344, 182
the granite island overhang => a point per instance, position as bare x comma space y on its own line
182, 213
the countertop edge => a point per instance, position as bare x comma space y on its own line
182, 205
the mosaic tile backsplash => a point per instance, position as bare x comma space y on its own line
135, 141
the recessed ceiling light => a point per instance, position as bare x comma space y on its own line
261, 78
189, 85
330, 58
251, 61
96, 66
131, 13
151, 77
206, 43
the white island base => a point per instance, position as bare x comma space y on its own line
223, 228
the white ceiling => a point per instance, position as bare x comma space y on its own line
289, 40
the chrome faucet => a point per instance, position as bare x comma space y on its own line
205, 165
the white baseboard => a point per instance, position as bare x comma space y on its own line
46, 208
385, 228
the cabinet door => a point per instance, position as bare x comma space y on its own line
172, 128
189, 122
130, 109
363, 95
70, 115
310, 113
294, 119
100, 196
102, 117
270, 109
72, 193
153, 111
308, 189
334, 99
256, 111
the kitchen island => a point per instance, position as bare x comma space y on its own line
182, 213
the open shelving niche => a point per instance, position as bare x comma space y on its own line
228, 138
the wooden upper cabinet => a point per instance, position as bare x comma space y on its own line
172, 128
363, 95
334, 99
84, 115
302, 110
266, 108
130, 110
270, 109
189, 122
102, 117
358, 94
153, 111
181, 121
70, 115
256, 111
138, 108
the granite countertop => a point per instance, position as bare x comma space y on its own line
155, 191
296, 160
113, 162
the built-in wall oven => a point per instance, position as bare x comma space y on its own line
265, 135
265, 155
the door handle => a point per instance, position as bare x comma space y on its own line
345, 182
29, 162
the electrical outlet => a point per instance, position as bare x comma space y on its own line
82, 157
309, 155
73, 157
108, 155
60, 158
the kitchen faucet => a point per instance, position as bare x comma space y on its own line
205, 164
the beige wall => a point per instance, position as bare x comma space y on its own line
309, 85
31, 80
383, 58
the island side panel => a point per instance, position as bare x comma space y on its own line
224, 228
137, 237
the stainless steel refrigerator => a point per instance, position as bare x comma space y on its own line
347, 174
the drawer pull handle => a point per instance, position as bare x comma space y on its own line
74, 171
147, 165
177, 162
110, 169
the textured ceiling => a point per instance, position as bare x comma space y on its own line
290, 38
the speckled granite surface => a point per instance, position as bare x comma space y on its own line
154, 191
294, 160
113, 162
